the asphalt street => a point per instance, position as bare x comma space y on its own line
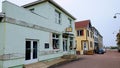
111, 59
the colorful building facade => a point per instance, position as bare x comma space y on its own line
84, 36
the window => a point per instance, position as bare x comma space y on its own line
77, 32
91, 34
71, 43
70, 21
91, 44
80, 32
88, 33
57, 17
46, 45
55, 41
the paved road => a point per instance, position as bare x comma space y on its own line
111, 59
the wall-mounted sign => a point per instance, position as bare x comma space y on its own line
69, 29
46, 45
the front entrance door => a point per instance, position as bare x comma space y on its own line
31, 51
85, 48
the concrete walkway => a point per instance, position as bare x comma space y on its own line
45, 64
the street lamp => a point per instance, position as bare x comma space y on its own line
115, 16
118, 35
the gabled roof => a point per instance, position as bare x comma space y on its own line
82, 24
50, 1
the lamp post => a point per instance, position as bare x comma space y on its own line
118, 35
115, 16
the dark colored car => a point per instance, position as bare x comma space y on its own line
100, 51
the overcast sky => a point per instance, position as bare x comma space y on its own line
100, 12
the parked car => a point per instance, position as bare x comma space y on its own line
104, 50
100, 51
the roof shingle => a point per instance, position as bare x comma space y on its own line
82, 24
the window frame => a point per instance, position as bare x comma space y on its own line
88, 33
70, 22
55, 41
91, 44
57, 17
80, 32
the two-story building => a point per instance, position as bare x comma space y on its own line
84, 36
37, 31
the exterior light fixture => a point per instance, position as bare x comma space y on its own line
118, 42
115, 16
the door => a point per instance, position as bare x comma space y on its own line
64, 44
31, 51
85, 48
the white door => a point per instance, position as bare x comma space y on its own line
85, 48
31, 51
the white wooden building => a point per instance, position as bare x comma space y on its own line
37, 31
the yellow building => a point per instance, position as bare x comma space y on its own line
84, 37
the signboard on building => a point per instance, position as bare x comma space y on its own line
69, 29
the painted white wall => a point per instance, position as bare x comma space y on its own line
16, 36
2, 37
22, 14
1, 42
47, 10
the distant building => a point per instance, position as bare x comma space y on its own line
98, 39
37, 31
84, 36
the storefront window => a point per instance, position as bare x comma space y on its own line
55, 41
71, 43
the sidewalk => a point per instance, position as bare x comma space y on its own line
49, 64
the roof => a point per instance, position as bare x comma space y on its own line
82, 24
50, 1
95, 29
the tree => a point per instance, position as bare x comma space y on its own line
118, 41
